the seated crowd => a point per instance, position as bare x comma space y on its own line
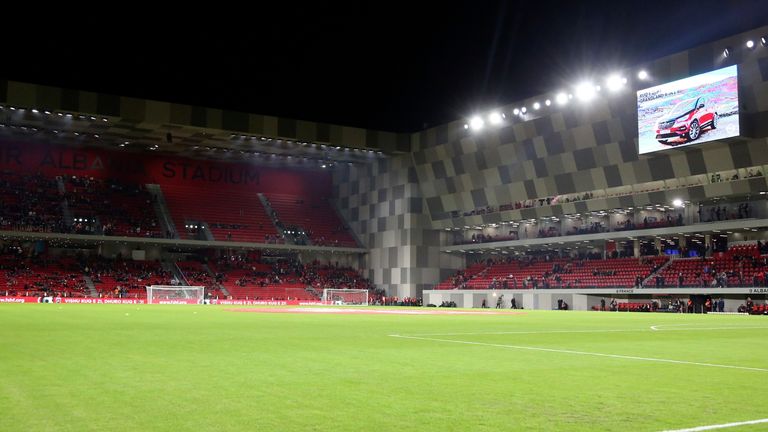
740, 266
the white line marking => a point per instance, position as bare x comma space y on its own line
656, 327
720, 426
563, 351
588, 331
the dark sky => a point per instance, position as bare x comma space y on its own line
380, 65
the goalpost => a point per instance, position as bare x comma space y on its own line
345, 296
175, 293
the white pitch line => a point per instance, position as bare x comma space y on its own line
656, 327
529, 332
589, 331
720, 426
563, 351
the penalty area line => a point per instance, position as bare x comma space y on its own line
585, 353
719, 426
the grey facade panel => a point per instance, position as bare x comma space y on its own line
585, 159
661, 167
696, 163
612, 176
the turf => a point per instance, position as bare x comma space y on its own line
128, 368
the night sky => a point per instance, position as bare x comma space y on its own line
379, 65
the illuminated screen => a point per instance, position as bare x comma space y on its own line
689, 111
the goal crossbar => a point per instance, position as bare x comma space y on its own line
175, 293
345, 296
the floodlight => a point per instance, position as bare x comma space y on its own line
476, 123
615, 82
585, 91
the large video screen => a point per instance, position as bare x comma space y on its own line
689, 111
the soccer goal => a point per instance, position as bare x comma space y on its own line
175, 294
345, 296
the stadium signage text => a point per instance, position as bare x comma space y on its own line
625, 291
210, 173
69, 160
758, 290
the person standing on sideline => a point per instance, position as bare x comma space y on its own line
499, 301
602, 305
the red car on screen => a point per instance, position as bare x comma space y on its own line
686, 121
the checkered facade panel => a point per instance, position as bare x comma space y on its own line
384, 206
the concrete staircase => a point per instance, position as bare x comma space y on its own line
273, 217
92, 291
649, 281
161, 210
176, 271
210, 272
65, 211
340, 214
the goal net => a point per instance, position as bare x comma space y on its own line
345, 296
175, 294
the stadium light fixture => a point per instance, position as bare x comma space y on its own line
523, 110
34, 110
466, 126
561, 98
643, 75
585, 91
536, 105
727, 52
750, 44
615, 82
476, 123
764, 41
495, 118
547, 102
677, 202
516, 111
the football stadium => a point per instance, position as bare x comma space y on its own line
594, 257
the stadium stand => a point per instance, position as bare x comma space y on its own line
314, 216
237, 215
36, 276
110, 207
535, 272
30, 203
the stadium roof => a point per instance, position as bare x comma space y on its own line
72, 117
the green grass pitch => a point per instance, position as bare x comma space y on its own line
203, 368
